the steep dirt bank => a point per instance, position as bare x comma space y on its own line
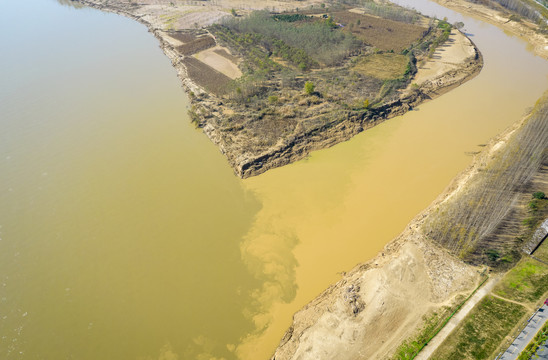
209, 111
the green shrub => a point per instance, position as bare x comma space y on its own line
290, 17
309, 88
493, 255
539, 195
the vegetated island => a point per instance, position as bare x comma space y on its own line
268, 87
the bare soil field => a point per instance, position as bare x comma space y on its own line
183, 37
383, 34
206, 76
383, 300
223, 64
197, 45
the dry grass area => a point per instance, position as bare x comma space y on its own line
383, 34
193, 14
387, 66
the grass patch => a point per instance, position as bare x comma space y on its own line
385, 66
479, 335
169, 21
526, 282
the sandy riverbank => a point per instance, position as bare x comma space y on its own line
523, 29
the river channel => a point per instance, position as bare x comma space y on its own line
124, 233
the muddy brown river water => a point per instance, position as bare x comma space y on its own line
124, 233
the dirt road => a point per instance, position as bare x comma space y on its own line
455, 320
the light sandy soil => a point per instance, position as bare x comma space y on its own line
448, 57
219, 62
394, 291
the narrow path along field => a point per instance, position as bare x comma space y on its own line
455, 320
512, 301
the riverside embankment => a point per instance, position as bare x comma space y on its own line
118, 217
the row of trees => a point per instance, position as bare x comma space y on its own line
520, 7
385, 10
463, 223
392, 12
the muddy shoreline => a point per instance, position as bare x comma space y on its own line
286, 152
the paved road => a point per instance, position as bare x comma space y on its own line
455, 320
542, 352
525, 337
